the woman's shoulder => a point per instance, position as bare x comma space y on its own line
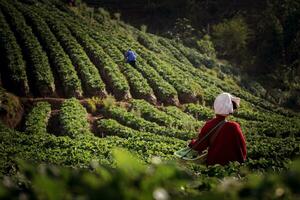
233, 125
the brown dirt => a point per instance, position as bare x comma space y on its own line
187, 98
11, 110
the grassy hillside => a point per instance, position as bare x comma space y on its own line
81, 99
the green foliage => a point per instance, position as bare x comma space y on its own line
112, 127
162, 89
129, 180
187, 89
105, 15
147, 42
182, 30
132, 179
144, 28
179, 114
194, 56
93, 103
153, 114
73, 118
198, 111
110, 72
130, 119
37, 119
109, 101
88, 73
139, 85
150, 132
205, 46
38, 63
230, 38
58, 58
15, 65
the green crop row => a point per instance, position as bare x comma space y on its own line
59, 59
80, 151
151, 113
73, 118
182, 66
113, 127
260, 124
187, 71
188, 91
194, 56
198, 111
173, 51
89, 74
162, 89
139, 86
116, 82
136, 122
37, 119
146, 41
15, 69
261, 149
145, 144
180, 115
108, 69
38, 61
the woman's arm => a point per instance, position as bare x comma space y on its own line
241, 143
194, 144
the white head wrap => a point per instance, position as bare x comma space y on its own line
223, 103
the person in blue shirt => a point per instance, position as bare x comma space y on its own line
130, 57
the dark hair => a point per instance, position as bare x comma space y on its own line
234, 105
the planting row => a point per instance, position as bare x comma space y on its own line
14, 67
153, 114
133, 120
210, 83
255, 124
162, 89
188, 90
37, 119
78, 152
89, 75
139, 86
59, 60
115, 80
37, 60
73, 118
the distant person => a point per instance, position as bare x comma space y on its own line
71, 2
228, 144
130, 57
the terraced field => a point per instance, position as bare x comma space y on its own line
81, 99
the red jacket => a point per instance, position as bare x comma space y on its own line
229, 144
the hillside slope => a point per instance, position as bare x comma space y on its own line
52, 53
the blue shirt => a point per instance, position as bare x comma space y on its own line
130, 56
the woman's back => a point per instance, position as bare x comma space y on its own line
228, 145
225, 145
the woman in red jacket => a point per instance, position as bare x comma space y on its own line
227, 142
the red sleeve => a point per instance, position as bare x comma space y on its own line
203, 145
240, 140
